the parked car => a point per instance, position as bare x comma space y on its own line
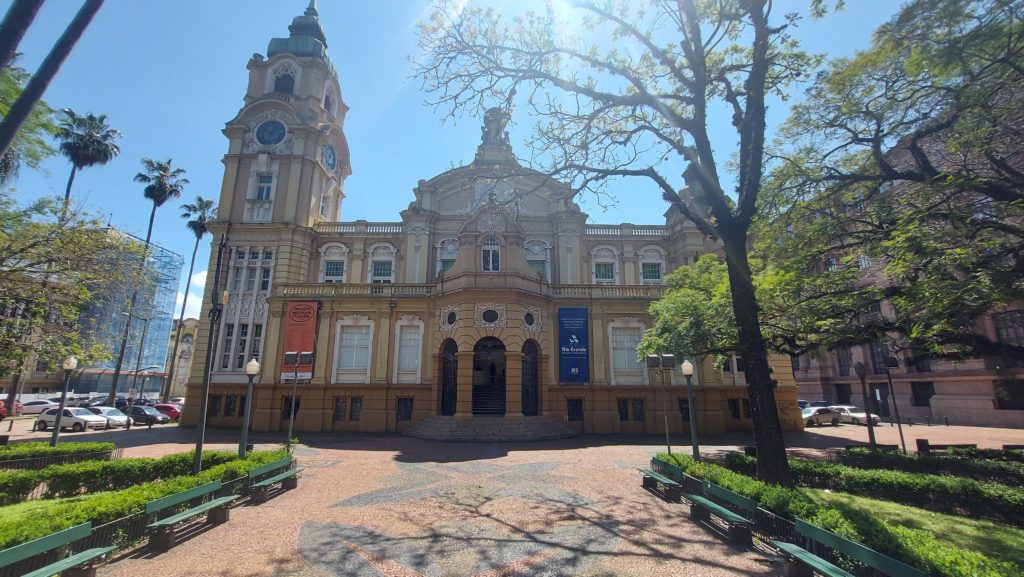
120, 403
802, 404
73, 401
852, 414
74, 418
19, 409
172, 411
36, 407
142, 415
114, 417
819, 404
820, 416
177, 400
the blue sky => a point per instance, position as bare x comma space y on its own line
169, 74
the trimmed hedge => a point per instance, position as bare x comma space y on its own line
994, 471
1015, 455
916, 547
41, 449
93, 476
107, 507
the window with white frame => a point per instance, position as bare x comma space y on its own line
652, 265
352, 350
334, 271
491, 254
265, 274
624, 336
605, 262
409, 337
264, 186
333, 262
863, 261
651, 272
538, 257
250, 274
446, 252
382, 264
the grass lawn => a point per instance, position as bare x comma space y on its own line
28, 506
998, 541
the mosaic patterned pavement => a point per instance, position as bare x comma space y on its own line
397, 507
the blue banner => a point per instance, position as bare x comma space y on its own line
573, 345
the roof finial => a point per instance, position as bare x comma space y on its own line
311, 9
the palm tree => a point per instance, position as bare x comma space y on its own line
86, 141
163, 182
201, 212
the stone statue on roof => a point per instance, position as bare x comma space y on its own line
493, 130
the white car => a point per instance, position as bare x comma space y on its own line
36, 407
74, 418
177, 401
114, 417
852, 414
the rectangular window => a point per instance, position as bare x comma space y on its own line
264, 183
727, 365
265, 279
879, 352
229, 405
604, 272
624, 343
213, 409
741, 365
845, 357
381, 271
236, 278
651, 271
254, 254
746, 409
794, 362
538, 266
228, 340
268, 255
403, 409
684, 409
354, 353
623, 410
638, 410
408, 348
734, 409
863, 261
921, 393
832, 263
340, 408
357, 408
243, 342
250, 279
286, 407
257, 341
334, 271
574, 410
447, 264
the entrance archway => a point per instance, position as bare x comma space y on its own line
531, 376
489, 377
449, 376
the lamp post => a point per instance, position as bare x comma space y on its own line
687, 368
892, 363
70, 364
142, 345
862, 373
252, 368
659, 362
142, 392
295, 388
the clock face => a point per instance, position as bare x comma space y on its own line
270, 132
329, 158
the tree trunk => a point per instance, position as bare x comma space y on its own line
772, 464
181, 319
67, 194
47, 70
19, 17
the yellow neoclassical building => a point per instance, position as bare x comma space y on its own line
491, 308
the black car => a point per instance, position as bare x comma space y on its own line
142, 415
120, 403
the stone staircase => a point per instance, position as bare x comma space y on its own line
490, 428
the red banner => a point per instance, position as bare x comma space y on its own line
299, 340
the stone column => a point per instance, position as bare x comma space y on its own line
464, 396
513, 384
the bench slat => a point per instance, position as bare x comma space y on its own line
263, 469
44, 544
817, 563
746, 503
279, 477
661, 478
71, 562
887, 564
718, 510
162, 503
193, 511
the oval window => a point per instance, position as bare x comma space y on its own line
452, 317
528, 318
490, 315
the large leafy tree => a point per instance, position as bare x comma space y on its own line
908, 158
32, 144
632, 94
199, 214
86, 141
163, 182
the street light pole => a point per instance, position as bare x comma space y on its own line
70, 364
862, 373
892, 363
656, 362
687, 368
252, 368
142, 345
295, 391
211, 342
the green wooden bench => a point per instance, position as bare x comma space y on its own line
161, 536
77, 564
801, 563
667, 488
260, 482
737, 526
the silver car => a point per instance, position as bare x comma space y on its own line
854, 415
36, 407
74, 418
115, 418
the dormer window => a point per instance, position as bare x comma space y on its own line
285, 83
491, 255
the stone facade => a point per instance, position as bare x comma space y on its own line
452, 310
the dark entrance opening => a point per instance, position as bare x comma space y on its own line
531, 376
489, 377
880, 400
449, 376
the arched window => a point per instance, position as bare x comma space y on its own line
491, 255
605, 261
538, 256
447, 252
382, 264
652, 265
333, 262
285, 83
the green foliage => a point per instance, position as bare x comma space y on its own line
107, 507
41, 449
915, 547
1007, 473
31, 145
1014, 455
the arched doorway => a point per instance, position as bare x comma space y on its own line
489, 377
449, 376
531, 376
